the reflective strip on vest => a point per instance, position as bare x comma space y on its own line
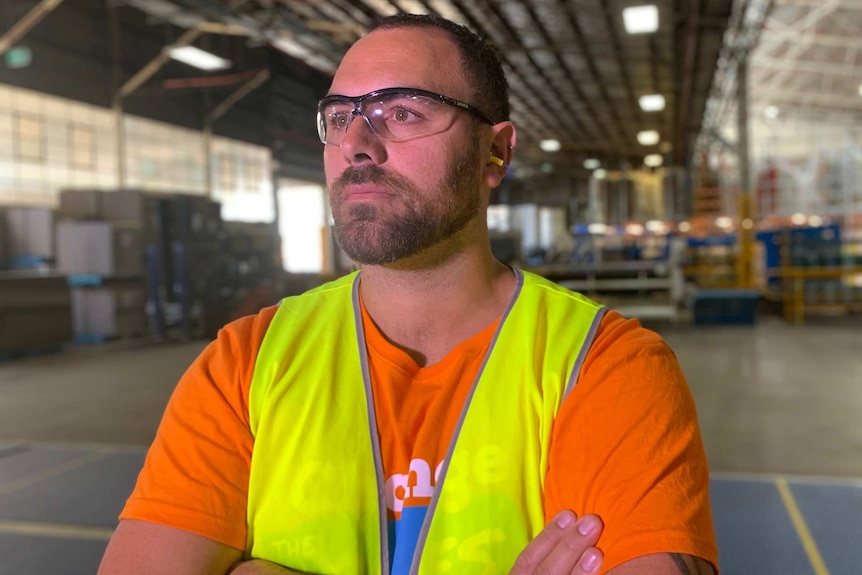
316, 493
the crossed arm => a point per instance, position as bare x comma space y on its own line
140, 547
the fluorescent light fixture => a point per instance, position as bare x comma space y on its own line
591, 163
640, 19
653, 160
747, 224
815, 221
600, 174
684, 227
550, 145
651, 102
199, 58
648, 138
798, 219
771, 112
597, 229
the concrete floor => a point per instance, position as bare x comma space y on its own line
779, 407
772, 398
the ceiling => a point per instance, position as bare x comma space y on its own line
809, 59
575, 73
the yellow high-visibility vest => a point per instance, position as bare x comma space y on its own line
316, 501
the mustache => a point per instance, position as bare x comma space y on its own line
370, 174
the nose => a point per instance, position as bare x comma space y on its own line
360, 143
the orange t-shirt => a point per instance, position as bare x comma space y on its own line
625, 446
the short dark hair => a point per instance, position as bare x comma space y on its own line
479, 59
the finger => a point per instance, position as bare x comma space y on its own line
572, 545
590, 562
544, 543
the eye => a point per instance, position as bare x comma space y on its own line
401, 114
338, 120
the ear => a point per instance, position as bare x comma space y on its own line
500, 154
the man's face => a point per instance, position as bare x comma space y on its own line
394, 200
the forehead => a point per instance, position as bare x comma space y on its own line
408, 57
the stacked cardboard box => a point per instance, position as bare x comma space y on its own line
109, 311
35, 310
99, 248
29, 234
4, 241
80, 204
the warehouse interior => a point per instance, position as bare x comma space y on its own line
694, 164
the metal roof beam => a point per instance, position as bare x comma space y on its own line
809, 66
27, 23
845, 4
776, 38
570, 77
827, 40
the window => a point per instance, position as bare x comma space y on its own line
252, 175
226, 173
30, 137
82, 146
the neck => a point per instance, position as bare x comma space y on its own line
427, 308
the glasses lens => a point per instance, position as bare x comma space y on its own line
404, 116
333, 119
395, 116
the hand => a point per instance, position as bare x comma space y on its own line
566, 546
260, 567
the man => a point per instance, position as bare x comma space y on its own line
438, 412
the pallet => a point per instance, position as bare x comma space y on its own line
85, 280
25, 263
92, 339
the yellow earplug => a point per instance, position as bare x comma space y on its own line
497, 161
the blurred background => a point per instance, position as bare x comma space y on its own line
694, 164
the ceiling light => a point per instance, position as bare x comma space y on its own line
656, 227
653, 160
651, 102
635, 229
597, 229
815, 221
640, 19
648, 138
550, 145
600, 174
771, 112
684, 227
199, 58
591, 163
724, 223
798, 219
747, 224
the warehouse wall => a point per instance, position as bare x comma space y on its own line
74, 57
49, 143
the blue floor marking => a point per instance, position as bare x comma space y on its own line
22, 461
755, 534
834, 517
46, 556
90, 495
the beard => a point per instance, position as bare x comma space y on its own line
374, 235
